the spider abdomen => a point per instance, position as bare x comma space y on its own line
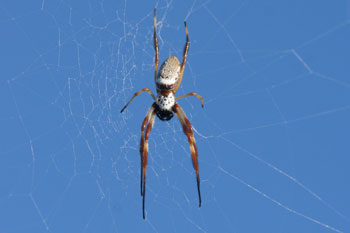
169, 74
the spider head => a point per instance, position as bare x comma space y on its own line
169, 74
164, 115
164, 106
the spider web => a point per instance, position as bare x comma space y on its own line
272, 138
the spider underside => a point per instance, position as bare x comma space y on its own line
167, 80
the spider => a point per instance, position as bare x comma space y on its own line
167, 81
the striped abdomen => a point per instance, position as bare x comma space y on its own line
169, 74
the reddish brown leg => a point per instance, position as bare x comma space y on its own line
191, 94
187, 128
136, 94
187, 45
143, 126
144, 153
155, 41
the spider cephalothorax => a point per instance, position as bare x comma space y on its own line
167, 80
164, 106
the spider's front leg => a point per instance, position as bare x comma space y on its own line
187, 128
143, 126
149, 121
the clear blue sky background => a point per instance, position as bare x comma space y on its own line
273, 137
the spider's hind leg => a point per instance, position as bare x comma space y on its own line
187, 46
156, 48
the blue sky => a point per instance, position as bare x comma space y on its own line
273, 137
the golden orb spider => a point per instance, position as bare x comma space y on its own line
167, 80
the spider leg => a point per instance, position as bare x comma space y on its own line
192, 94
187, 128
143, 126
187, 45
136, 94
144, 157
155, 41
